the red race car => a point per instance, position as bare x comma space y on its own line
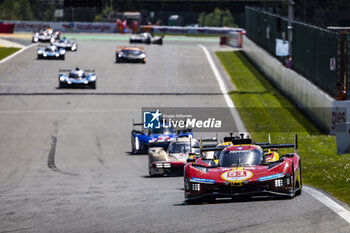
243, 169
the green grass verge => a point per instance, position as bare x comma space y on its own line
264, 110
4, 52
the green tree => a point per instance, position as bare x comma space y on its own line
16, 10
106, 11
50, 14
217, 18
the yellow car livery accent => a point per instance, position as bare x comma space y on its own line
236, 175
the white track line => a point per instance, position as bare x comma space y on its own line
338, 209
16, 53
223, 89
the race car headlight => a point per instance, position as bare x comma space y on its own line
278, 183
195, 187
40, 51
62, 51
45, 54
137, 144
159, 165
62, 78
120, 54
57, 55
142, 56
282, 182
93, 78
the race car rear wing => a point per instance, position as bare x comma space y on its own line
207, 139
238, 140
160, 143
264, 145
291, 145
136, 124
69, 70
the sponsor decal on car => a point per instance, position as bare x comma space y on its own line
236, 175
271, 177
202, 180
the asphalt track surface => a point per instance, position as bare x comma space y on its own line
65, 164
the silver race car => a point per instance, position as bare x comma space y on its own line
77, 78
45, 35
171, 160
146, 38
66, 44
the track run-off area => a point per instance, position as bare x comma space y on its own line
65, 161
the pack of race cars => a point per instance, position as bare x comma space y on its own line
77, 77
233, 168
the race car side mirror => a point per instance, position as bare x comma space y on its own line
190, 160
138, 132
289, 155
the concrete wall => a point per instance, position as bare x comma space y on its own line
313, 101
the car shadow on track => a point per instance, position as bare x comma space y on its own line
233, 200
162, 176
75, 87
129, 153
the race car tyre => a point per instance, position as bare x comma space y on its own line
194, 202
61, 85
63, 57
143, 61
130, 41
148, 41
135, 144
39, 57
293, 194
299, 182
93, 85
133, 149
161, 42
209, 199
150, 173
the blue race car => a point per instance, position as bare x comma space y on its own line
66, 44
77, 77
162, 136
51, 52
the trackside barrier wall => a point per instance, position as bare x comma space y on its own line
32, 26
313, 101
195, 30
6, 27
313, 48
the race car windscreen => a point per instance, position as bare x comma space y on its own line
76, 75
241, 158
165, 131
179, 148
132, 52
50, 49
